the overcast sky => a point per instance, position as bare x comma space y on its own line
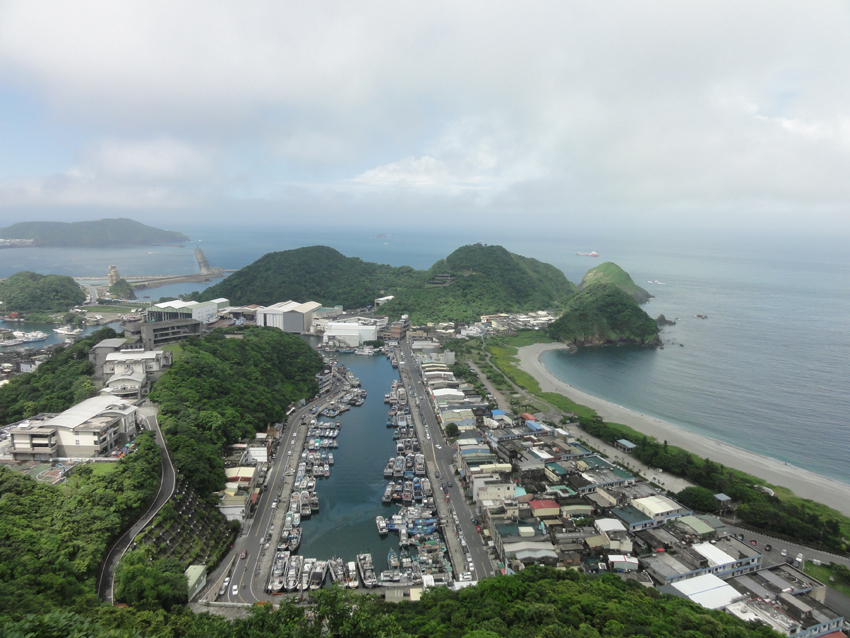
694, 114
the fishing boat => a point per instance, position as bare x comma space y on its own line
31, 337
307, 573
327, 470
293, 573
336, 568
287, 522
387, 498
367, 570
277, 581
296, 517
392, 560
314, 502
351, 580
67, 330
295, 539
382, 525
388, 470
330, 458
317, 578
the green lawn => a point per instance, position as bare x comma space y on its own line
822, 573
124, 310
176, 350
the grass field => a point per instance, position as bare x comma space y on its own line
122, 310
823, 573
176, 350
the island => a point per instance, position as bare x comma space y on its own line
95, 234
603, 314
609, 272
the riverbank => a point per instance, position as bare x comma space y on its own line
802, 482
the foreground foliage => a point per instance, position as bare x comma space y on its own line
602, 313
52, 539
536, 602
224, 387
31, 292
57, 384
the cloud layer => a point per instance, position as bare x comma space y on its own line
658, 111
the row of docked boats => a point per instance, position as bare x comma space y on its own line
291, 572
408, 492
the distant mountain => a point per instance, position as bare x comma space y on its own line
609, 272
603, 314
472, 281
98, 233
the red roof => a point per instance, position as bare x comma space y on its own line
527, 416
542, 505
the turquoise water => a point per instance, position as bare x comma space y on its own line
350, 498
766, 371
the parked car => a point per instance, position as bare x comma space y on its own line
800, 558
784, 552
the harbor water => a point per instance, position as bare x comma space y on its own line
350, 498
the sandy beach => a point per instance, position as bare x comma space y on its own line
803, 482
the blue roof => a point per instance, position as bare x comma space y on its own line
498, 412
626, 443
533, 426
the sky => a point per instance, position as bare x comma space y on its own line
721, 115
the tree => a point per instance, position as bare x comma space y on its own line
452, 430
697, 498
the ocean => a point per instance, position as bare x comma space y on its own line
766, 370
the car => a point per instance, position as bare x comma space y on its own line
235, 590
474, 522
226, 581
437, 474
451, 484
784, 552
478, 528
276, 499
439, 447
244, 554
753, 542
289, 453
799, 558
768, 547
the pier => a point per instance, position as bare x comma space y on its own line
143, 282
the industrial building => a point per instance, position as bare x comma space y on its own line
289, 316
351, 332
203, 311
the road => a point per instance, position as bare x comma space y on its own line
106, 575
440, 458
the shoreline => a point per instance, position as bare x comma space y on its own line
804, 483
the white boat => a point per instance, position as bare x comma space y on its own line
31, 337
382, 525
67, 330
351, 580
307, 572
8, 343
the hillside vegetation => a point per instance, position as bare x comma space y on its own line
537, 602
122, 289
223, 389
314, 273
603, 314
472, 281
483, 280
611, 273
98, 233
31, 292
55, 537
57, 384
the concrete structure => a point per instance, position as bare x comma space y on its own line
99, 352
351, 332
289, 316
113, 277
154, 335
725, 559
707, 590
660, 509
485, 488
131, 372
203, 311
595, 472
624, 445
94, 427
197, 577
545, 508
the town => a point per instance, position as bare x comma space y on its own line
473, 491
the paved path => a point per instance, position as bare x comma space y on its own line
106, 576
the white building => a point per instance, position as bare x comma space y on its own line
352, 332
203, 311
660, 508
129, 372
289, 316
93, 427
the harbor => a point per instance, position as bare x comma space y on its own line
334, 519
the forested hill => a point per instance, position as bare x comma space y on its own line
31, 292
313, 273
603, 314
472, 281
609, 272
479, 280
98, 233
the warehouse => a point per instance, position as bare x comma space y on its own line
289, 316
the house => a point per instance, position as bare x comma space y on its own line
130, 372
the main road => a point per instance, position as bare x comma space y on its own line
441, 454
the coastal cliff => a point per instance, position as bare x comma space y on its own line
603, 314
611, 273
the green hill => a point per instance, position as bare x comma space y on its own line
472, 281
478, 280
609, 272
316, 273
97, 234
31, 292
604, 314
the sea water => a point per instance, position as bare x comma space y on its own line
767, 370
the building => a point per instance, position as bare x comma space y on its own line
99, 351
489, 487
289, 316
545, 508
154, 335
595, 472
624, 445
95, 427
197, 577
660, 508
351, 332
203, 311
131, 372
113, 277
725, 558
